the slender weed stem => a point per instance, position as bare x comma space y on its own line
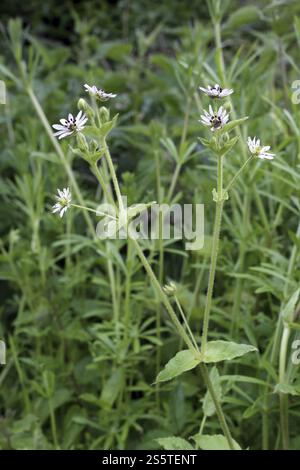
214, 255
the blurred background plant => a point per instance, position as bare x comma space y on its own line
85, 333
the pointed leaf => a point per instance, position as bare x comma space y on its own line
217, 351
287, 389
174, 443
215, 442
232, 124
183, 361
289, 310
112, 388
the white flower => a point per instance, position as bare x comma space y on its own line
63, 201
98, 93
214, 120
216, 91
68, 126
258, 150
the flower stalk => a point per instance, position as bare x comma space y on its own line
214, 254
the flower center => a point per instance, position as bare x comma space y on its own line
71, 124
64, 201
218, 90
215, 122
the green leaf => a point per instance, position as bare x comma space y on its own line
15, 34
96, 133
216, 147
232, 124
118, 50
108, 126
204, 142
112, 388
217, 351
294, 326
227, 146
297, 28
289, 310
181, 362
287, 389
170, 147
136, 209
243, 16
215, 442
24, 424
89, 398
174, 443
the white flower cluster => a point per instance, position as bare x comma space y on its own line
73, 124
66, 128
217, 119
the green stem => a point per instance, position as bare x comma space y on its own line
265, 430
202, 425
103, 185
20, 375
221, 65
159, 191
283, 397
163, 296
214, 255
239, 172
186, 339
185, 122
222, 73
220, 178
113, 175
127, 309
161, 245
273, 357
185, 322
53, 424
218, 407
182, 141
110, 268
174, 180
94, 211
158, 312
115, 304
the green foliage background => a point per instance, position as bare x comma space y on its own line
69, 372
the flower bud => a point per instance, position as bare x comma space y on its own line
94, 146
82, 142
104, 114
85, 107
227, 105
170, 289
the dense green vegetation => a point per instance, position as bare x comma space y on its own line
86, 330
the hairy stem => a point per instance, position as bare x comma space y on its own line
113, 175
163, 296
283, 397
238, 173
218, 407
214, 255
